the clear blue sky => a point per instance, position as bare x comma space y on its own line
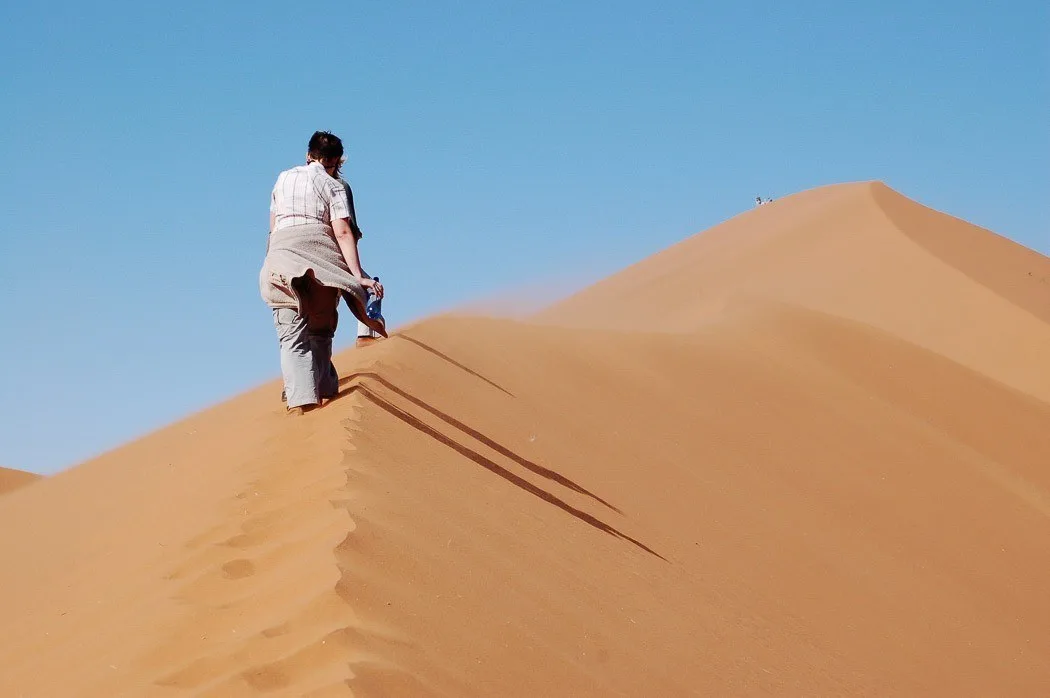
490, 144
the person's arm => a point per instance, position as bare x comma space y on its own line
344, 233
344, 237
273, 220
353, 214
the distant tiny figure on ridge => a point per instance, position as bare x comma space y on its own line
311, 261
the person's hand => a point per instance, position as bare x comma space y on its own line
377, 288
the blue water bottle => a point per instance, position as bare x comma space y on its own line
374, 307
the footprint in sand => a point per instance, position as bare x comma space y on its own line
238, 569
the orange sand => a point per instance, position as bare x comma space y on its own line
821, 470
13, 479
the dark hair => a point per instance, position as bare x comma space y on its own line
324, 145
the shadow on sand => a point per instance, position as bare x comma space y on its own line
354, 383
449, 359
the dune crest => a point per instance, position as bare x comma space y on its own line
821, 470
11, 480
860, 251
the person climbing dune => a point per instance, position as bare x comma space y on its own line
312, 261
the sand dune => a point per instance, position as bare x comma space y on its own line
820, 471
859, 251
13, 479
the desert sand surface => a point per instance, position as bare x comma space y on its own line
818, 467
11, 479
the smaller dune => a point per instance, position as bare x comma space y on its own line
11, 480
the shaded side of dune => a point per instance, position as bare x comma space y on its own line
11, 480
1018, 274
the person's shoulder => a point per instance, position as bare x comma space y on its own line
290, 171
318, 174
323, 183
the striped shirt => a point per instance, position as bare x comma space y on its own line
306, 194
